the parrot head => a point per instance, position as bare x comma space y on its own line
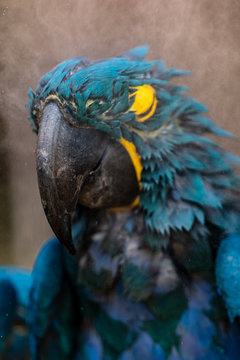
79, 165
116, 133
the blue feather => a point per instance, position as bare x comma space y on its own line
138, 53
228, 273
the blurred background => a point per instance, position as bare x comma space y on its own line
201, 36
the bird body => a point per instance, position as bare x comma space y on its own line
147, 206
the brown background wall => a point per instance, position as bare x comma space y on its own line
202, 36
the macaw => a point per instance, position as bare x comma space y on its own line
147, 213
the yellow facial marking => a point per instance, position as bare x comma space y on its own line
89, 102
145, 102
136, 160
126, 208
52, 97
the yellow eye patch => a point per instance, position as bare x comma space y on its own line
145, 102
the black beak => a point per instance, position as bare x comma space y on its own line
79, 165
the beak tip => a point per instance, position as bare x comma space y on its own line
68, 244
71, 248
66, 239
62, 227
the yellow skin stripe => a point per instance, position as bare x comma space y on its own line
145, 102
136, 161
126, 208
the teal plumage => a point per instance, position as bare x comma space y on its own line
227, 273
142, 284
187, 180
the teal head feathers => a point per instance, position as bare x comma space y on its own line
186, 180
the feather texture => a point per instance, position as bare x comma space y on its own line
142, 285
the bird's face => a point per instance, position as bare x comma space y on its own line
86, 120
80, 165
109, 128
